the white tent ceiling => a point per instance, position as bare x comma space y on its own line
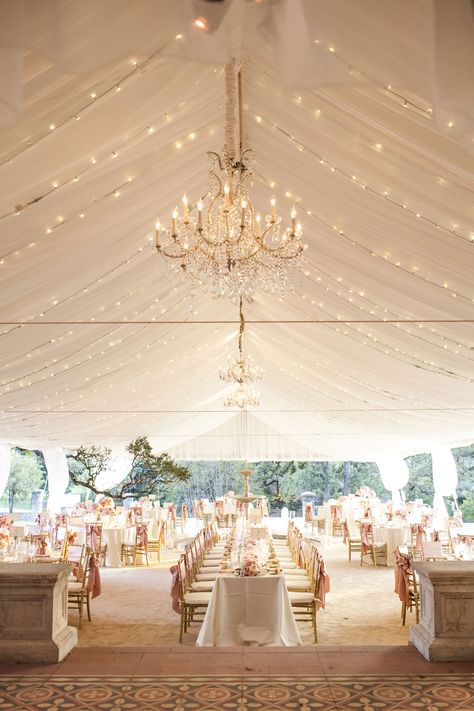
360, 112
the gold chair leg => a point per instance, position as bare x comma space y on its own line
88, 607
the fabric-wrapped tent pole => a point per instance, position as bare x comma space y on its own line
5, 462
394, 475
58, 476
445, 481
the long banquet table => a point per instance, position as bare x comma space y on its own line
249, 611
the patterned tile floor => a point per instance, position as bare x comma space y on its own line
448, 692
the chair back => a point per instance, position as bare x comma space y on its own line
94, 536
182, 576
405, 579
417, 536
366, 536
76, 555
141, 536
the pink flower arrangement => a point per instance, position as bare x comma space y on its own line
4, 538
106, 502
250, 568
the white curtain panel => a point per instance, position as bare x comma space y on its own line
58, 475
5, 462
394, 475
445, 481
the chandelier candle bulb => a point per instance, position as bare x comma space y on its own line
199, 209
157, 233
174, 225
226, 196
258, 225
185, 210
273, 204
293, 220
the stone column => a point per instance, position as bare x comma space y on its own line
446, 629
33, 613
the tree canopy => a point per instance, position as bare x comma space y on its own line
149, 473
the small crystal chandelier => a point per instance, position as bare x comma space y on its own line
223, 243
242, 396
241, 369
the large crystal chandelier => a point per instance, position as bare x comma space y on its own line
223, 243
241, 370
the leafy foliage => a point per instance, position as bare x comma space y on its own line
25, 477
148, 474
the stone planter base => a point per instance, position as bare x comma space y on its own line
446, 629
33, 613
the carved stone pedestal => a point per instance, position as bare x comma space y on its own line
446, 629
33, 613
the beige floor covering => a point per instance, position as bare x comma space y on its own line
134, 607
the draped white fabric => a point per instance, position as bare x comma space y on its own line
445, 481
348, 107
5, 462
394, 475
58, 476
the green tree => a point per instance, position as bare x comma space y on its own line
149, 473
25, 477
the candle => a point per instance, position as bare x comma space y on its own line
185, 209
258, 225
293, 220
199, 209
243, 206
157, 233
174, 226
226, 195
273, 204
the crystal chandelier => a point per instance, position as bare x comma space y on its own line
241, 369
223, 243
242, 396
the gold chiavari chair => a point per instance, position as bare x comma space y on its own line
78, 593
193, 604
406, 585
354, 545
417, 536
94, 542
304, 604
136, 552
376, 552
154, 544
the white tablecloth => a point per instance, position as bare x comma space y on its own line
249, 611
114, 537
393, 536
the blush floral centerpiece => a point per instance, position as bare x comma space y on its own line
251, 568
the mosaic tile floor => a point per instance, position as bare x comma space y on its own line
228, 693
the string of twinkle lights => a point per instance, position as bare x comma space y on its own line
414, 271
95, 98
350, 176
